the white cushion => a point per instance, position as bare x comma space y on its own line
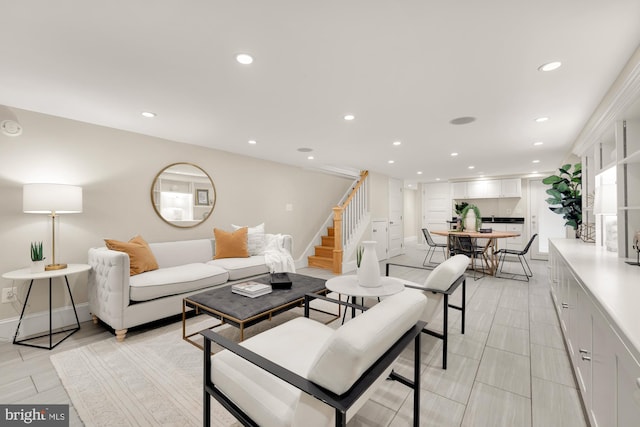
171, 254
443, 276
239, 268
255, 238
266, 399
175, 280
355, 346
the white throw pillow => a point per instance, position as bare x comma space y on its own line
255, 239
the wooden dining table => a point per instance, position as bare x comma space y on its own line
489, 250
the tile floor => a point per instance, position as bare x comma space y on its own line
510, 368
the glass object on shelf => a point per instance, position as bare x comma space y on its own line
183, 195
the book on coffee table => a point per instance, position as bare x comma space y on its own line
251, 289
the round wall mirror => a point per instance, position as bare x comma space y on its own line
183, 195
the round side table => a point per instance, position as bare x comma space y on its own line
348, 285
26, 274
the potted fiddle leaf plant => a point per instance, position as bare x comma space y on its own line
37, 257
566, 197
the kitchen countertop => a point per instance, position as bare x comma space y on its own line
497, 220
503, 220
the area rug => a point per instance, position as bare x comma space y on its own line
152, 378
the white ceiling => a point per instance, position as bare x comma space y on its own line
403, 68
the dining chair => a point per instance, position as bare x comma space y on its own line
433, 246
463, 244
502, 253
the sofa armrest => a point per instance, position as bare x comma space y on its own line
108, 285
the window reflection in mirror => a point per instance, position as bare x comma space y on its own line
183, 195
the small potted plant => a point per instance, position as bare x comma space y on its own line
37, 258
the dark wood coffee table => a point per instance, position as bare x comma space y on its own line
241, 311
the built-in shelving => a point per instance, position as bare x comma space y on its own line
632, 158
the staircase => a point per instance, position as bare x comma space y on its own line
349, 219
323, 257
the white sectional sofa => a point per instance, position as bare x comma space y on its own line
185, 267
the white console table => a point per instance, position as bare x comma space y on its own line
597, 298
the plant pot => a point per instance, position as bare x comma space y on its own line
369, 270
37, 266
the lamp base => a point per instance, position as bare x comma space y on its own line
55, 267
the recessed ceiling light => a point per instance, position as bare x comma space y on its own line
244, 59
454, 154
349, 117
472, 167
462, 120
542, 119
396, 143
534, 172
437, 179
391, 162
148, 114
537, 143
536, 161
10, 127
419, 172
310, 157
550, 66
253, 142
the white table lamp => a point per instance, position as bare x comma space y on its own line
52, 199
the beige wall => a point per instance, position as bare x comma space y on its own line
379, 193
411, 213
116, 170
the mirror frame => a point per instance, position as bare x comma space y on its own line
213, 197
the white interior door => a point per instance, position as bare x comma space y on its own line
396, 225
379, 233
547, 224
436, 208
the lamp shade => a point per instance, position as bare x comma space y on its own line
51, 198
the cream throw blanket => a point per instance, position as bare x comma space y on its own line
277, 258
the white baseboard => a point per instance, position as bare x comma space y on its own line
37, 323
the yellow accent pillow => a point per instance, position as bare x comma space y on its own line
231, 244
141, 258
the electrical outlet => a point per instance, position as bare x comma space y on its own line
9, 294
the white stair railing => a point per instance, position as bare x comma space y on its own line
348, 219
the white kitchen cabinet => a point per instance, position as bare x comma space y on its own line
476, 189
604, 360
511, 187
459, 190
628, 388
516, 243
487, 189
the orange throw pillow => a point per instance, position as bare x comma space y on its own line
141, 258
231, 244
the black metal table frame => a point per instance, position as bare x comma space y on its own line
25, 341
